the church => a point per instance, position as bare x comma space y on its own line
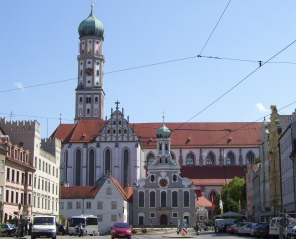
193, 160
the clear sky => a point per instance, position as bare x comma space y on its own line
39, 48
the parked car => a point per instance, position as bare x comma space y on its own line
231, 228
62, 230
8, 229
121, 230
262, 230
249, 228
241, 230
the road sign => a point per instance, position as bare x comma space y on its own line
184, 231
284, 222
184, 224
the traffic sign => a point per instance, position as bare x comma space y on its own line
184, 224
184, 231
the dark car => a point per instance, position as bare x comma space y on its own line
8, 229
62, 230
121, 230
262, 230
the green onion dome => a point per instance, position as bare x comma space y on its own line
91, 26
163, 132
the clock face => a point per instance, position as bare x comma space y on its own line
89, 71
163, 182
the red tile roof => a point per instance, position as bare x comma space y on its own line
76, 192
202, 201
212, 175
185, 135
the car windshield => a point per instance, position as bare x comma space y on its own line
121, 225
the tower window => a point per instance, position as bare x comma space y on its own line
98, 72
96, 99
80, 99
88, 111
88, 100
88, 62
98, 63
81, 72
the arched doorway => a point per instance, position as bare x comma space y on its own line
163, 219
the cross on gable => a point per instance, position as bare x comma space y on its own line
117, 103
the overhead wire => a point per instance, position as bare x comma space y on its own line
238, 83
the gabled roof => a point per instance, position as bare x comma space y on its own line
188, 135
119, 188
79, 192
202, 201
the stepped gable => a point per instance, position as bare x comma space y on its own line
192, 135
213, 175
76, 192
202, 201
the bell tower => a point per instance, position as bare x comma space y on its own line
90, 93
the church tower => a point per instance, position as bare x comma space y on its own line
90, 93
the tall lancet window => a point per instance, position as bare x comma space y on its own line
250, 158
91, 168
78, 166
107, 160
210, 159
125, 168
230, 158
190, 159
150, 158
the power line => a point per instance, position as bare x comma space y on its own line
238, 83
215, 27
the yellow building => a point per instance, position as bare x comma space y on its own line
278, 124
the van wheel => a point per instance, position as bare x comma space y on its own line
54, 237
33, 237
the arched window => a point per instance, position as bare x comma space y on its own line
91, 168
107, 160
125, 168
210, 159
163, 199
186, 199
150, 158
152, 199
141, 199
250, 158
230, 158
78, 166
190, 159
175, 199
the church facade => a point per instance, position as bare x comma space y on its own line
207, 154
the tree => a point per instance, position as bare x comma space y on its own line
231, 194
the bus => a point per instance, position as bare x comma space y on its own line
89, 223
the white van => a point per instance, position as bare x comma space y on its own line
221, 224
44, 226
274, 227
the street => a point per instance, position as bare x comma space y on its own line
162, 233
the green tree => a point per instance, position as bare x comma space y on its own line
231, 194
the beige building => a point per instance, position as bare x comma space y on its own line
45, 158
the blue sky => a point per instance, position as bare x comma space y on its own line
39, 45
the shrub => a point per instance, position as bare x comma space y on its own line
134, 231
144, 230
206, 228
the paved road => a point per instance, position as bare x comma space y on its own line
162, 234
